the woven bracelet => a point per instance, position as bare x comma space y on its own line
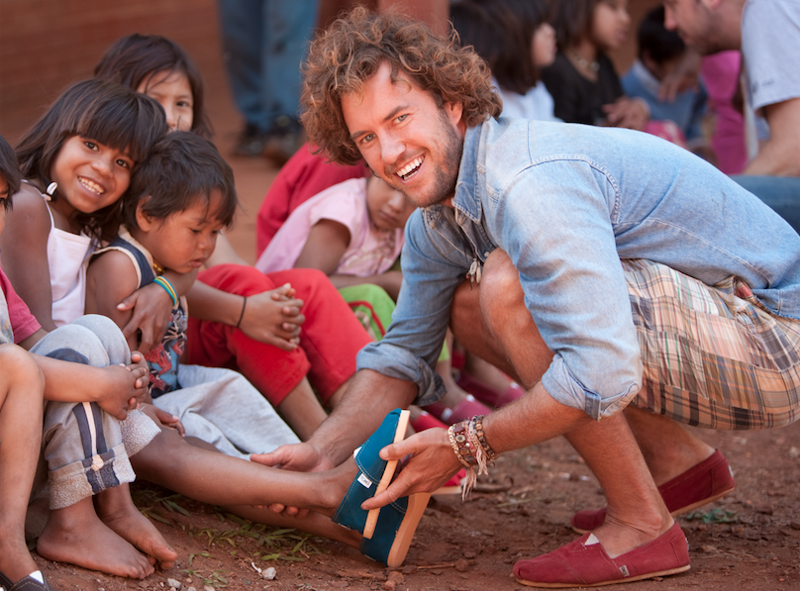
167, 286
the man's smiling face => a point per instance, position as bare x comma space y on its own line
405, 137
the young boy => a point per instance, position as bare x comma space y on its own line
60, 372
180, 199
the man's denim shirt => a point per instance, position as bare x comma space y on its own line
567, 202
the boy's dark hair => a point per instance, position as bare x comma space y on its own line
105, 112
354, 47
182, 167
572, 20
9, 170
501, 31
655, 41
136, 58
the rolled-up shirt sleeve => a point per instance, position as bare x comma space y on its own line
555, 224
432, 269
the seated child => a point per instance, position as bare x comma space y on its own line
353, 232
180, 199
76, 532
660, 52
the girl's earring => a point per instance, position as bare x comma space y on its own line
51, 189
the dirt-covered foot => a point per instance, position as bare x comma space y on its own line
116, 509
76, 535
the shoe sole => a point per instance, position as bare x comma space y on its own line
661, 573
386, 477
417, 503
682, 510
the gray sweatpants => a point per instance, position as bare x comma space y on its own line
86, 449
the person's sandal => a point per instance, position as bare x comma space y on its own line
701, 484
585, 563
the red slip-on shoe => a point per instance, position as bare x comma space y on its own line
487, 395
585, 563
701, 484
464, 410
426, 421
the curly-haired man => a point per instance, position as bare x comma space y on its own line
627, 284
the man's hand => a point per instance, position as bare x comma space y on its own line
274, 317
152, 309
432, 463
630, 113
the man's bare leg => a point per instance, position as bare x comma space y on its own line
508, 336
667, 446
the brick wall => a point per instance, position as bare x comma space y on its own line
46, 44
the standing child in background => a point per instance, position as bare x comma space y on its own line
516, 40
180, 199
660, 53
240, 318
85, 146
585, 87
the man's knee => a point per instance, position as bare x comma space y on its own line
500, 281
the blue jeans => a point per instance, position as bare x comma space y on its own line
264, 43
781, 193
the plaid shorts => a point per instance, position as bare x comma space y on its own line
713, 357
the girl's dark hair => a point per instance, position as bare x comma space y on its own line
9, 170
656, 41
572, 20
501, 32
105, 112
182, 167
137, 58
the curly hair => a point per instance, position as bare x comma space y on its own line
352, 50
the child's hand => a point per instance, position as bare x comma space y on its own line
152, 309
120, 386
164, 418
142, 371
274, 317
630, 113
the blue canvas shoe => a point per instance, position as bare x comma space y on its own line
387, 531
29, 583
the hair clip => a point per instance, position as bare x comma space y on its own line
51, 188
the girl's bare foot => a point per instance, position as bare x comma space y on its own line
76, 535
115, 508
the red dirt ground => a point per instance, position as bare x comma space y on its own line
749, 541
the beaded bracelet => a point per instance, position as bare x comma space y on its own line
477, 421
458, 435
241, 314
167, 286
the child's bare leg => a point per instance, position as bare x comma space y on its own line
76, 535
211, 477
21, 392
302, 410
115, 508
485, 372
313, 523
